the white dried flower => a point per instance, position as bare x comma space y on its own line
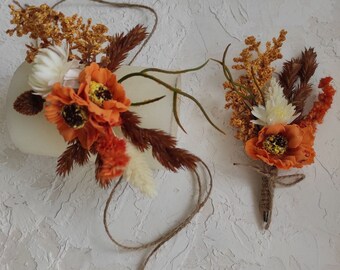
51, 66
277, 110
138, 172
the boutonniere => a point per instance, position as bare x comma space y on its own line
270, 115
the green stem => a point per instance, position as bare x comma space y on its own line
173, 89
175, 71
147, 101
174, 109
230, 78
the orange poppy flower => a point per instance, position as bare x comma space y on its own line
69, 112
105, 96
283, 146
112, 159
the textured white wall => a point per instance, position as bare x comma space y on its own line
51, 223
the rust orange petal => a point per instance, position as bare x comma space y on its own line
309, 135
294, 135
270, 130
68, 133
304, 155
250, 148
113, 104
300, 150
52, 113
275, 129
87, 136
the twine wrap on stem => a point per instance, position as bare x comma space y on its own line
266, 199
270, 179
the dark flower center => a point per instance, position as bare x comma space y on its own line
276, 144
74, 115
99, 93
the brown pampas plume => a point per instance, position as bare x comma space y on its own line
309, 65
302, 68
120, 45
163, 145
74, 153
28, 103
289, 76
301, 94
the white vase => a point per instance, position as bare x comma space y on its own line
35, 135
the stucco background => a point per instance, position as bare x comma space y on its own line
47, 222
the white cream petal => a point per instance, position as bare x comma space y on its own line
50, 66
277, 110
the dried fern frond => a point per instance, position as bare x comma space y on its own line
120, 45
28, 103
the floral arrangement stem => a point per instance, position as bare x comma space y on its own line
267, 196
174, 90
270, 180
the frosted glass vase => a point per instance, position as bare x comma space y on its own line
35, 135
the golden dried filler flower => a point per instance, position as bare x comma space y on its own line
50, 27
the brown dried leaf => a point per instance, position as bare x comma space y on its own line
28, 103
74, 153
121, 44
163, 145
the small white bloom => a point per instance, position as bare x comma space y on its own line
277, 110
51, 66
138, 172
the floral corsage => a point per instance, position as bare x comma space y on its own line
88, 105
270, 114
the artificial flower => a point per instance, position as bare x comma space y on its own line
283, 146
51, 66
111, 160
69, 112
277, 110
106, 97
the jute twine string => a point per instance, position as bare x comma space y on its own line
270, 179
128, 5
156, 244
